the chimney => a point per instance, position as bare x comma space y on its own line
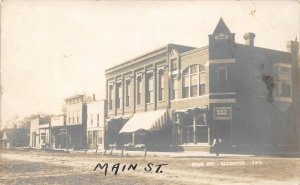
249, 39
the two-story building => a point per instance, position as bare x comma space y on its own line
76, 119
95, 124
245, 95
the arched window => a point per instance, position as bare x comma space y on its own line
161, 85
139, 90
110, 97
193, 81
149, 88
127, 92
119, 95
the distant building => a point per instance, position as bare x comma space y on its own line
181, 96
95, 124
76, 118
58, 132
40, 132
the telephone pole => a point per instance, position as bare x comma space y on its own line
0, 70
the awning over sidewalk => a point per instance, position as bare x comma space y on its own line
119, 117
191, 109
146, 121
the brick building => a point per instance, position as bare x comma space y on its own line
245, 95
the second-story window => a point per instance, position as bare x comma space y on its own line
77, 116
282, 80
149, 88
69, 118
222, 79
118, 95
174, 64
110, 97
91, 119
139, 90
98, 120
161, 85
186, 84
127, 93
202, 79
193, 81
174, 92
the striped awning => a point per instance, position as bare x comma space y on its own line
119, 117
191, 109
153, 120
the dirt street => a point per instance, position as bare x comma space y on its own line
38, 167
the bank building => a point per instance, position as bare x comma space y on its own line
183, 98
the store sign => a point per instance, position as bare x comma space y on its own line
222, 112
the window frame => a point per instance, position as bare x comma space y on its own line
190, 88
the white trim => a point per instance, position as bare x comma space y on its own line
283, 99
227, 93
222, 61
231, 100
283, 65
190, 98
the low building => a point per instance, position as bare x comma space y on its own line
58, 132
40, 132
95, 124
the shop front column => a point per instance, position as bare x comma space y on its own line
194, 128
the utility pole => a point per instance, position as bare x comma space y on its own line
0, 71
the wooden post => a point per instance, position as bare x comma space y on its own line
194, 128
145, 152
133, 138
122, 151
111, 151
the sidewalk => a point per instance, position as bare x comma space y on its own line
160, 154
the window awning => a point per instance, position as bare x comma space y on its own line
146, 121
191, 109
119, 117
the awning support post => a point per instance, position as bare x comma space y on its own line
194, 128
133, 138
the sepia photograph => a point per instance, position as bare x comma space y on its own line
149, 92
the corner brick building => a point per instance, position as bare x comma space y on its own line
186, 97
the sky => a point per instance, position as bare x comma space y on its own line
54, 49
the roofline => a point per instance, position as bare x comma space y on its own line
74, 96
193, 50
144, 55
136, 58
263, 48
53, 116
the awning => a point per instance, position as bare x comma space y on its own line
119, 117
191, 109
146, 121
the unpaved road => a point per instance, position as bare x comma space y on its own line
36, 167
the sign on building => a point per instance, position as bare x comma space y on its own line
222, 112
